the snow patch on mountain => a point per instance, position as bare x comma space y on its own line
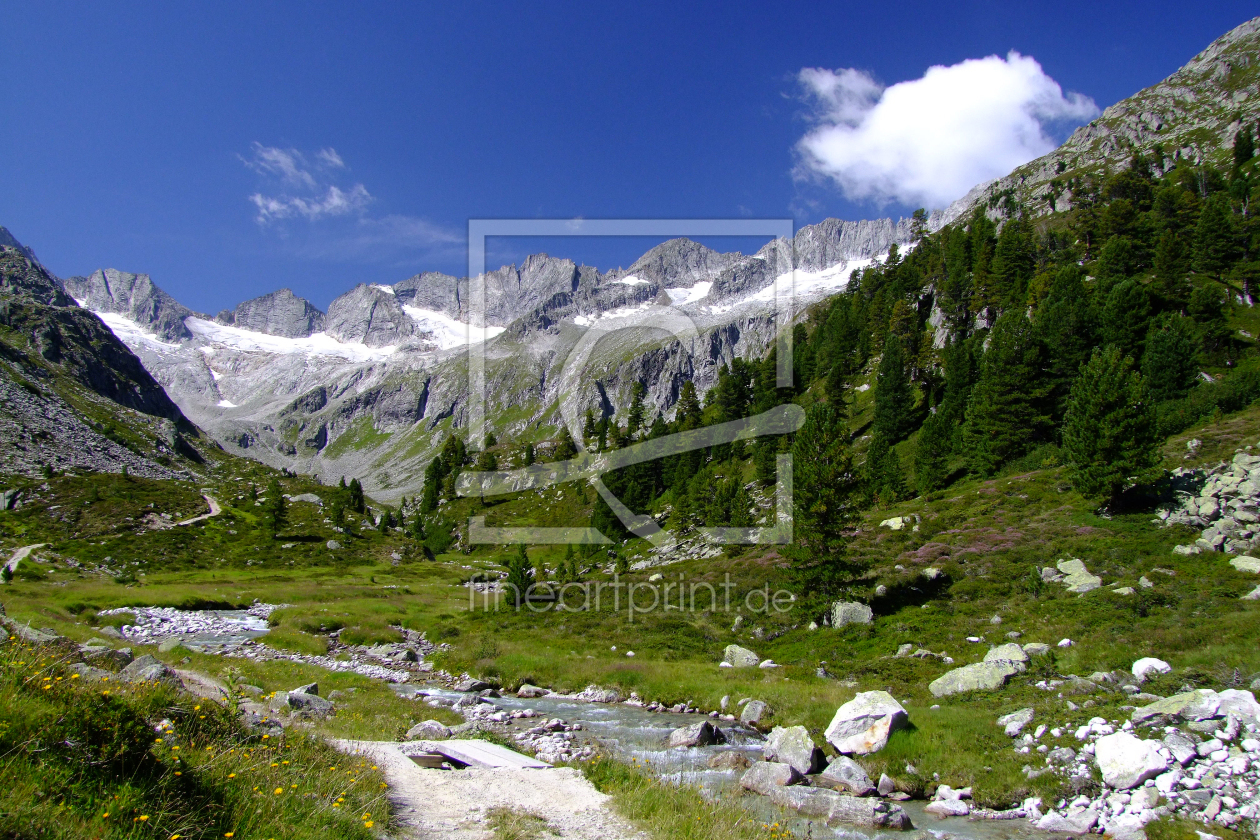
447, 332
132, 334
685, 296
316, 344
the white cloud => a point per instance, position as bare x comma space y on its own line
334, 202
329, 157
304, 194
930, 140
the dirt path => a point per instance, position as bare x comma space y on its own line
215, 510
20, 555
453, 803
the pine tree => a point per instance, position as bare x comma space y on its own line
1169, 365
566, 449
1007, 413
932, 452
356, 502
276, 511
528, 458
1170, 269
825, 501
417, 529
520, 577
894, 397
588, 428
1126, 317
1109, 433
635, 416
1065, 324
688, 415
1213, 238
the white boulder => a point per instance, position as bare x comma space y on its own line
862, 725
1126, 761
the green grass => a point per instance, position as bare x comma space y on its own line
105, 759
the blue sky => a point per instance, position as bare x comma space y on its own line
230, 149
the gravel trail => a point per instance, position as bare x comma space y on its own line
453, 803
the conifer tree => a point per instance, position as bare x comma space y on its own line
1168, 363
566, 449
520, 577
1007, 412
1065, 324
894, 398
528, 458
1170, 269
1126, 317
932, 452
356, 502
276, 511
635, 416
826, 507
1213, 238
1109, 434
688, 415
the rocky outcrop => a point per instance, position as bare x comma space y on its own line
134, 296
280, 313
862, 725
1222, 500
369, 315
793, 746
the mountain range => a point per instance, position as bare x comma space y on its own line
372, 387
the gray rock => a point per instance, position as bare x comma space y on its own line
1079, 821
764, 776
1009, 652
429, 730
310, 703
740, 657
702, 734
1077, 578
471, 684
1015, 722
840, 809
983, 676
792, 745
87, 672
279, 702
1182, 748
1126, 761
1061, 756
1036, 648
529, 691
279, 313
148, 669
1202, 704
845, 774
106, 657
332, 545
862, 725
111, 632
850, 612
729, 760
1149, 665
134, 296
310, 498
755, 711
1246, 564
943, 808
169, 645
309, 688
886, 786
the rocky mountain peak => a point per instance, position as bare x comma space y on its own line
1193, 115
434, 291
134, 296
681, 263
370, 315
9, 241
280, 313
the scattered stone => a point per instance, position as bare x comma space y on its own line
850, 612
1126, 761
702, 734
1009, 652
429, 730
1246, 564
1015, 722
169, 645
472, 685
903, 650
106, 657
729, 760
595, 694
1149, 665
792, 745
1077, 578
1036, 648
764, 776
530, 691
333, 545
309, 688
309, 703
740, 657
1076, 821
1144, 583
862, 725
148, 669
886, 786
840, 809
932, 573
982, 676
754, 712
948, 808
845, 774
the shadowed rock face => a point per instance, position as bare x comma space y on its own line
280, 313
369, 315
134, 296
